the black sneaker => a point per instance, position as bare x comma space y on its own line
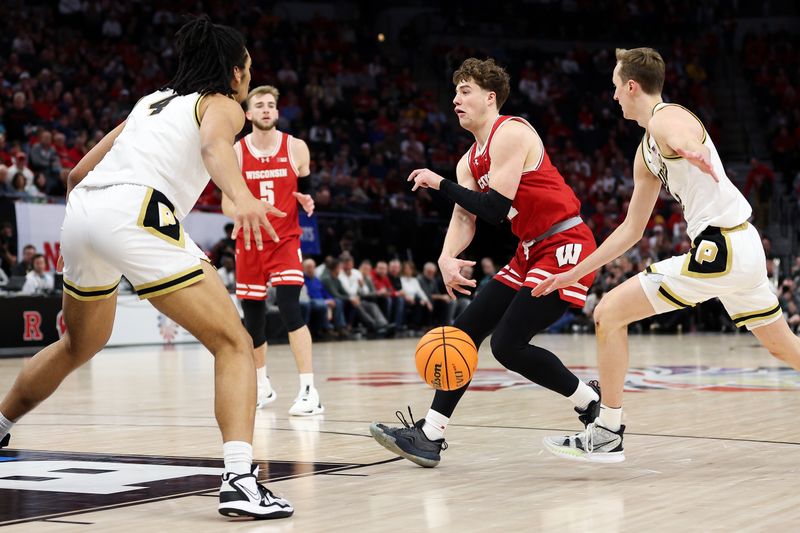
242, 495
592, 411
5, 440
409, 441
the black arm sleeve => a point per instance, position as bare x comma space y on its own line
304, 184
492, 207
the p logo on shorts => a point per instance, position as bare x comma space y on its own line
157, 216
706, 252
710, 256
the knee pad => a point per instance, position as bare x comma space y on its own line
288, 300
255, 320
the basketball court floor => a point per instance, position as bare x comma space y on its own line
129, 443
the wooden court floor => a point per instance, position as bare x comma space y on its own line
129, 443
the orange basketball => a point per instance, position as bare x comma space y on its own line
446, 358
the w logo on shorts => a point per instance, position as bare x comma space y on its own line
157, 216
569, 254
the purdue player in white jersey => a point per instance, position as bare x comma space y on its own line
126, 199
726, 259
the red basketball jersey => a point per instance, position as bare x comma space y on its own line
543, 197
273, 178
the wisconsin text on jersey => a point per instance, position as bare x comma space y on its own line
268, 173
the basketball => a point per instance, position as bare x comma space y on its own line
446, 358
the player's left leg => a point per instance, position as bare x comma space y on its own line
602, 440
307, 401
525, 317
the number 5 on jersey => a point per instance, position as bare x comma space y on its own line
267, 191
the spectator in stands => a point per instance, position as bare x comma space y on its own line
5, 185
7, 258
420, 307
227, 272
392, 304
443, 306
318, 292
25, 265
366, 311
37, 281
321, 306
21, 167
44, 157
38, 189
18, 187
19, 118
489, 270
224, 246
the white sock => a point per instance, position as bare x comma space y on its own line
306, 380
583, 395
5, 426
610, 417
238, 456
435, 424
262, 379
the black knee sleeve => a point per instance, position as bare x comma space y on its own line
288, 299
255, 320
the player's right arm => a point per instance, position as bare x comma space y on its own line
459, 235
646, 188
221, 118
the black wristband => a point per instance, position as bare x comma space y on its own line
304, 185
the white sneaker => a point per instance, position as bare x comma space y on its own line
595, 444
263, 398
307, 403
243, 495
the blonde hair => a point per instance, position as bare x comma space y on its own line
487, 74
261, 91
645, 66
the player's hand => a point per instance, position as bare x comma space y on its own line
305, 201
250, 216
700, 160
60, 263
450, 268
427, 179
553, 283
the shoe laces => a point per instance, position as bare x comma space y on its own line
402, 418
412, 425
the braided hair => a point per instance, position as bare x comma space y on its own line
207, 53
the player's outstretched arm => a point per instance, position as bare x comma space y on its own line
645, 194
221, 118
677, 129
92, 158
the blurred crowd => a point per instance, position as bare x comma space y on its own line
372, 110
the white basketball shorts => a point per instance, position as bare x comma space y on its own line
125, 230
727, 263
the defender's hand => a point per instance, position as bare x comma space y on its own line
250, 217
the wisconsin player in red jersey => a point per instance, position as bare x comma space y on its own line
505, 174
275, 167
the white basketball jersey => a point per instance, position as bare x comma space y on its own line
159, 147
704, 201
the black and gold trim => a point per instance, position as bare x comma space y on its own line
157, 216
197, 109
713, 247
170, 283
743, 319
666, 294
88, 294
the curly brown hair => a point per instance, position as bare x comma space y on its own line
487, 74
645, 66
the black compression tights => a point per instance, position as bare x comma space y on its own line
515, 317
